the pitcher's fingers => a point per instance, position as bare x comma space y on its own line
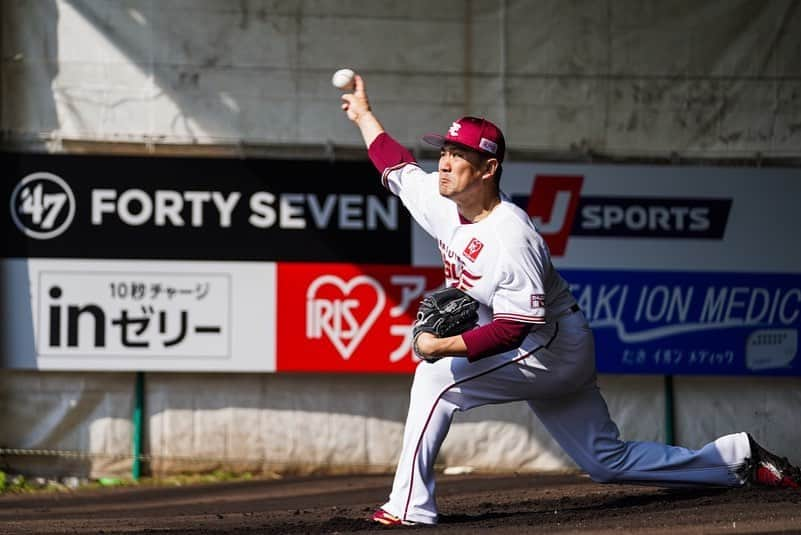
359, 86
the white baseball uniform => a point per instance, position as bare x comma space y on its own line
503, 262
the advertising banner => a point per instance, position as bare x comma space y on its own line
96, 314
680, 270
131, 263
63, 206
692, 322
199, 264
349, 318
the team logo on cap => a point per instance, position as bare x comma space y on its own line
473, 249
453, 131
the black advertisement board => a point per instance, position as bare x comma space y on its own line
131, 207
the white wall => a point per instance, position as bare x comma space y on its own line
630, 78
344, 423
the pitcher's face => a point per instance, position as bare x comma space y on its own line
460, 171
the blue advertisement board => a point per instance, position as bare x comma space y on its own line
690, 322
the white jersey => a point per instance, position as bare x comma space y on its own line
501, 261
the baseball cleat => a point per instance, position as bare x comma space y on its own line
766, 469
382, 517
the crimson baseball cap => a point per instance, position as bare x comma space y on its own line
475, 133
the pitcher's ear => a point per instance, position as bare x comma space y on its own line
492, 165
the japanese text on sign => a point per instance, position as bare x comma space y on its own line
134, 314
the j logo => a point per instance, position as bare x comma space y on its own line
552, 206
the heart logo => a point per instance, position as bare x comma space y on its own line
335, 317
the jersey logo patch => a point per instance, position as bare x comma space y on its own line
537, 301
473, 249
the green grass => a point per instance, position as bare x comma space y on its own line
18, 484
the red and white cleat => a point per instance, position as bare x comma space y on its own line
386, 519
766, 469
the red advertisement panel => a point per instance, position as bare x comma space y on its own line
347, 317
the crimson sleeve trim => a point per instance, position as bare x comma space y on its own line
385, 152
493, 338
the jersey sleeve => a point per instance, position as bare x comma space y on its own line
401, 175
386, 153
520, 292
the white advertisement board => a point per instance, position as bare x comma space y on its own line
141, 314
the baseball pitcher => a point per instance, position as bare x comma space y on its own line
524, 337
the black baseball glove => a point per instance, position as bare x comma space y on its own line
443, 313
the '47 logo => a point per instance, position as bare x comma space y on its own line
42, 206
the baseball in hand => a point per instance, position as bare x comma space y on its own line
343, 79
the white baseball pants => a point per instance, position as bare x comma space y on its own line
558, 381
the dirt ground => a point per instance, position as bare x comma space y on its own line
468, 504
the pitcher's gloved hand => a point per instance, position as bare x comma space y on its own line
444, 313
